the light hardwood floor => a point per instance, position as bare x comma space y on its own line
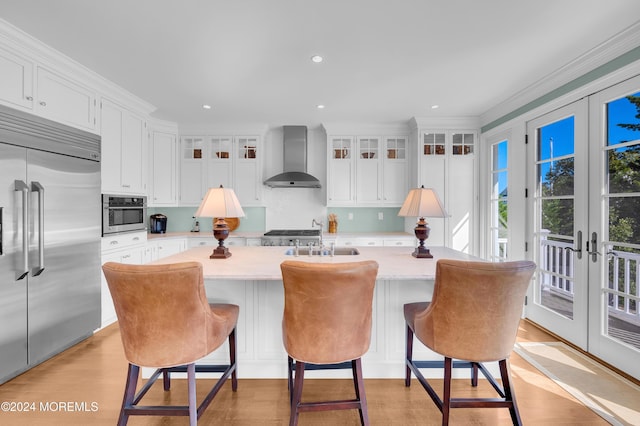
93, 373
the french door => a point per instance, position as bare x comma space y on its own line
557, 176
584, 179
614, 224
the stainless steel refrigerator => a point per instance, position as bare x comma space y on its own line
50, 228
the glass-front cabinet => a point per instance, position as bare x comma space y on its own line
446, 162
211, 161
367, 170
341, 169
192, 187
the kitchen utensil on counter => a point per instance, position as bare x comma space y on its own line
158, 223
333, 223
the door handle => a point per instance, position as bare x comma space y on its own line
22, 187
578, 247
36, 187
594, 247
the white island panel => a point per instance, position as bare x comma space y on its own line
251, 278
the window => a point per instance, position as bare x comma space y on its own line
499, 207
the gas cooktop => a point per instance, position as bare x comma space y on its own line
293, 233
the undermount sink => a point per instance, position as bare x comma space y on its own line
338, 251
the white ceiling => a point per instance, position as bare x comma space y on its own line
385, 60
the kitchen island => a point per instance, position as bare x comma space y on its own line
251, 278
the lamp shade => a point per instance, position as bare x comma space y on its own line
220, 202
422, 202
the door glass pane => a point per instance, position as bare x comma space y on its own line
555, 181
622, 194
499, 193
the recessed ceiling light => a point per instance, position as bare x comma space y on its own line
320, 106
435, 106
317, 59
205, 106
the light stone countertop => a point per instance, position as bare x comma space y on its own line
257, 234
263, 263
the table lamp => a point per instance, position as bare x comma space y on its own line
422, 202
220, 203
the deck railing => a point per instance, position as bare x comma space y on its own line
624, 283
557, 275
556, 267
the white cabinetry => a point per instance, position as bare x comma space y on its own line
374, 241
447, 163
124, 144
367, 170
211, 161
64, 100
16, 84
341, 171
210, 241
123, 248
395, 182
45, 92
164, 247
164, 168
192, 169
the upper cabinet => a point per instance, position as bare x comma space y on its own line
210, 161
192, 170
28, 86
163, 177
124, 145
446, 161
16, 84
367, 170
64, 100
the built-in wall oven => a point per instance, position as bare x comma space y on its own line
123, 213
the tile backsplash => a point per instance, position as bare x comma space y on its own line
350, 219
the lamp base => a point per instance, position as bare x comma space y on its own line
422, 252
422, 233
220, 252
220, 233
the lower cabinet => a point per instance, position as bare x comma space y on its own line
373, 241
166, 247
210, 241
126, 248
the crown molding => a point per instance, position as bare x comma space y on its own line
380, 129
417, 123
619, 44
27, 46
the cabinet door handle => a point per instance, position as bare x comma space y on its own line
29, 98
43, 103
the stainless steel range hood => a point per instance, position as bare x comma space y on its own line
295, 161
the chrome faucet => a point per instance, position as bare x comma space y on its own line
320, 224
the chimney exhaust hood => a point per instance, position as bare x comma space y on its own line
295, 161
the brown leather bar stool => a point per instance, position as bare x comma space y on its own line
327, 324
473, 317
166, 323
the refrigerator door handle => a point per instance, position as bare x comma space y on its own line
37, 187
21, 186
